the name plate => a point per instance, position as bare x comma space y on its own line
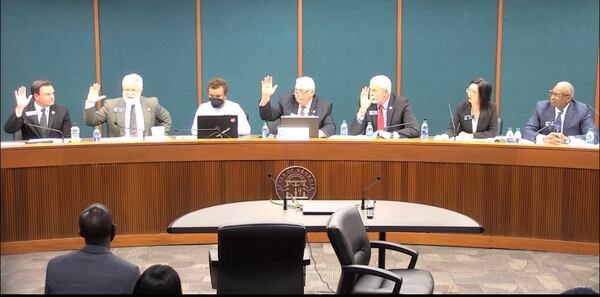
293, 133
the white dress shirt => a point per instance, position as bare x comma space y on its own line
228, 108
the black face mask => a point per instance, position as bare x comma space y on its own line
216, 102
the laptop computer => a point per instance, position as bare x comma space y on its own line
310, 122
311, 207
217, 126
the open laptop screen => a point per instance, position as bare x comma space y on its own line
217, 126
310, 122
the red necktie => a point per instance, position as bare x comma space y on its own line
380, 124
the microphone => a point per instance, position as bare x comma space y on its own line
196, 130
47, 128
398, 125
124, 128
452, 118
548, 125
592, 109
221, 133
277, 186
362, 202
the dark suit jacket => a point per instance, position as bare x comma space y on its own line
287, 104
91, 270
58, 119
487, 125
398, 112
577, 121
113, 110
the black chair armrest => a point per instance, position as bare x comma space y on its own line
376, 271
414, 254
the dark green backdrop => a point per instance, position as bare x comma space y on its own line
346, 42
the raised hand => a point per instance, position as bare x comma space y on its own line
267, 89
21, 100
365, 101
94, 94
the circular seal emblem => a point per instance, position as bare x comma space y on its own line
295, 182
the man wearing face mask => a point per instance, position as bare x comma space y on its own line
384, 110
219, 104
302, 101
131, 115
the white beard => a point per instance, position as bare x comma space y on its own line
131, 98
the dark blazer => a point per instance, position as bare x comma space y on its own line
58, 119
91, 270
113, 110
287, 104
398, 112
487, 125
577, 121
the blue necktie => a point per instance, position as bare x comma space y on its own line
558, 123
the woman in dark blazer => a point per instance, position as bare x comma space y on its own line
476, 111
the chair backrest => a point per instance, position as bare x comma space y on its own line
18, 135
273, 126
349, 239
499, 127
261, 258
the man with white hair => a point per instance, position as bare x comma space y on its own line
560, 119
302, 101
384, 110
131, 115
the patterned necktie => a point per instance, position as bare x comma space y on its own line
44, 122
380, 124
133, 122
303, 110
558, 123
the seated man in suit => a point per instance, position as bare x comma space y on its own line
302, 101
383, 109
42, 111
131, 115
219, 104
556, 120
92, 269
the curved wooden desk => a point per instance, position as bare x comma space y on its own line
526, 196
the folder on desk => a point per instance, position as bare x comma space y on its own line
310, 207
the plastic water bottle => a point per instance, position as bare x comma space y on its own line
75, 133
424, 130
509, 135
369, 130
344, 128
518, 135
96, 135
265, 131
589, 136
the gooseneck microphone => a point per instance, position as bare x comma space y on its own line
362, 198
277, 186
195, 130
47, 128
220, 133
125, 128
452, 118
592, 109
402, 124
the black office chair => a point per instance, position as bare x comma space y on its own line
273, 126
259, 258
349, 240
499, 126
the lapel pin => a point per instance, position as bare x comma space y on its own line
53, 112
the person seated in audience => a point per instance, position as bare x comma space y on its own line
158, 280
475, 117
131, 115
560, 119
42, 111
92, 269
384, 110
303, 101
219, 104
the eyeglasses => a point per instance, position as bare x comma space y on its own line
470, 91
552, 93
300, 92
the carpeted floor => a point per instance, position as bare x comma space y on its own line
455, 270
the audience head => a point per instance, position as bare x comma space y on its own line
381, 88
217, 91
562, 94
304, 90
132, 84
479, 93
158, 279
580, 290
96, 225
43, 92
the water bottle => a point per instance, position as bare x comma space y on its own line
75, 133
509, 135
518, 135
265, 131
96, 135
369, 130
424, 130
344, 128
589, 136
